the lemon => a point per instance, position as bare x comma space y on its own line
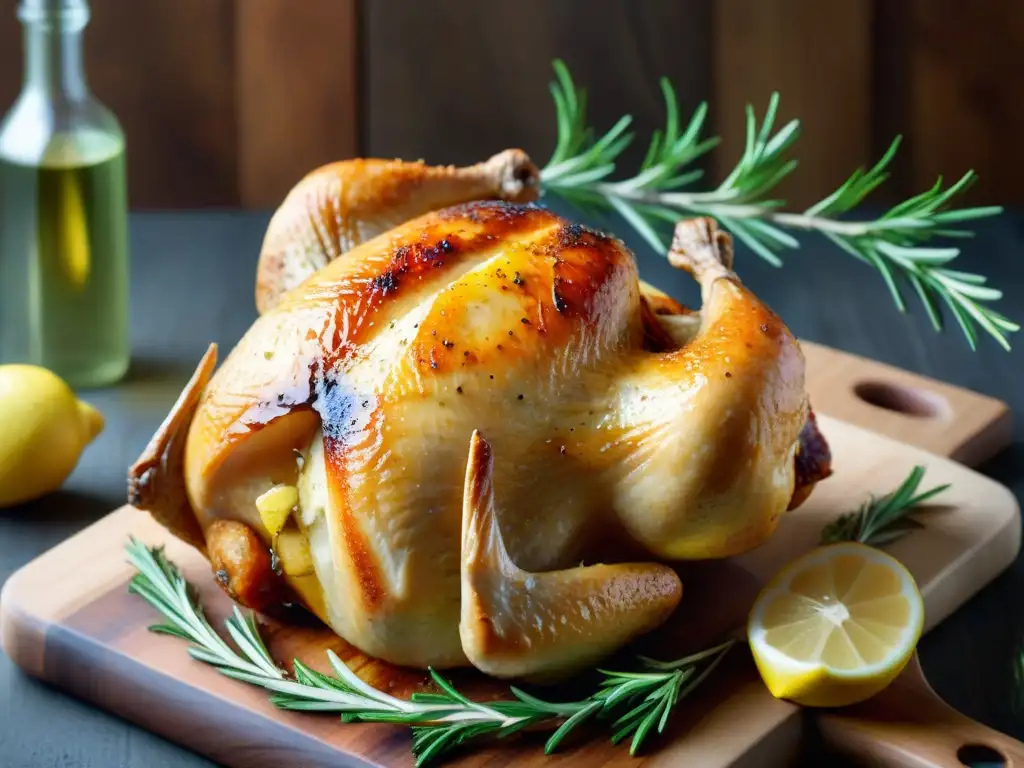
43, 430
836, 626
275, 507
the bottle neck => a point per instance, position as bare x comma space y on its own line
53, 56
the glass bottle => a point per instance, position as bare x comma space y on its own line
63, 211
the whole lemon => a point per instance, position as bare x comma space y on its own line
43, 430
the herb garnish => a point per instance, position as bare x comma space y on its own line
633, 703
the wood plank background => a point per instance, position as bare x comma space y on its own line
229, 102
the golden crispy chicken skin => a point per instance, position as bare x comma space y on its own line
340, 205
479, 400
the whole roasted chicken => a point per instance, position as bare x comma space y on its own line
463, 431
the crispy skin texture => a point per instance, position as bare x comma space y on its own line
813, 460
243, 566
516, 323
340, 205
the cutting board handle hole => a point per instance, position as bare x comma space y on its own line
980, 756
906, 400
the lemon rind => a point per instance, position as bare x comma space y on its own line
779, 586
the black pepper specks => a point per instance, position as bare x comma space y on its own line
519, 397
510, 333
561, 450
386, 282
728, 375
518, 279
459, 389
448, 344
524, 321
570, 236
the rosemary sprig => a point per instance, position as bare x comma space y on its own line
635, 703
882, 520
896, 243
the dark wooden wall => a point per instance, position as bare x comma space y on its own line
455, 80
229, 102
224, 102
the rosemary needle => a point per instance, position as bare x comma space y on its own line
897, 243
884, 519
635, 703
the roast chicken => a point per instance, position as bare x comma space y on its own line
491, 439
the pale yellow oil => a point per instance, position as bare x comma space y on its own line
64, 259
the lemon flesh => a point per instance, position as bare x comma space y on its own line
836, 626
275, 507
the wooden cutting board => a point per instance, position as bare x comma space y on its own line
951, 421
67, 618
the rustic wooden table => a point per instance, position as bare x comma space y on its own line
192, 283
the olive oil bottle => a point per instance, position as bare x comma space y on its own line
63, 211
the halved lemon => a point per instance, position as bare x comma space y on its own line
836, 626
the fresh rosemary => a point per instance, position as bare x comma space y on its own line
896, 243
882, 520
634, 703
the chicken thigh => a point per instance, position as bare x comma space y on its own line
498, 443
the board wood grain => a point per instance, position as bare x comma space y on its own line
909, 726
941, 418
67, 618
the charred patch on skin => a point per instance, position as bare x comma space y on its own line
812, 463
585, 264
411, 261
494, 213
388, 282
